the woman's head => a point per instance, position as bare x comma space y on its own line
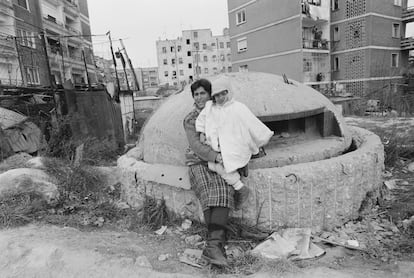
222, 91
201, 92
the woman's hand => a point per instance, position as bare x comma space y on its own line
219, 159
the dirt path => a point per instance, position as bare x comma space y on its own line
50, 251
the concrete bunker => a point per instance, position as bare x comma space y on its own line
307, 178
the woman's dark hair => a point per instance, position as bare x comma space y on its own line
201, 83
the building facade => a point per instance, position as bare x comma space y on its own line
68, 39
147, 77
352, 46
9, 65
29, 44
194, 55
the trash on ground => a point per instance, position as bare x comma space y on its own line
193, 257
291, 243
161, 230
193, 240
390, 184
163, 257
186, 224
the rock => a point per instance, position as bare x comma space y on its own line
142, 261
161, 230
387, 174
126, 162
27, 180
135, 153
122, 205
192, 240
15, 161
352, 242
410, 167
36, 162
163, 257
234, 252
405, 183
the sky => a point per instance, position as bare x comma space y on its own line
140, 23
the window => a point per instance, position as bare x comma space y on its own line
221, 44
188, 41
336, 64
213, 44
204, 46
181, 72
190, 66
335, 5
164, 49
215, 70
241, 17
242, 44
396, 30
228, 44
205, 59
195, 35
26, 38
166, 73
206, 70
23, 4
336, 34
180, 60
165, 62
243, 68
172, 48
174, 74
229, 69
172, 61
307, 65
198, 69
178, 48
32, 75
222, 57
394, 60
229, 57
398, 2
214, 58
196, 45
188, 53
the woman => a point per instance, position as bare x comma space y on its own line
215, 195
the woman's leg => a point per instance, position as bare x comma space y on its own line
214, 250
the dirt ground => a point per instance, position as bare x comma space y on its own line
43, 250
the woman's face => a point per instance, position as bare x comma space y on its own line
201, 97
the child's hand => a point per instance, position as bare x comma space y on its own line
219, 158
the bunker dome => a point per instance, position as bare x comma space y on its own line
316, 171
306, 124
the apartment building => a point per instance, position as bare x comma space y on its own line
29, 44
69, 44
351, 46
195, 55
9, 65
147, 77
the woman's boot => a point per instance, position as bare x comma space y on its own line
214, 250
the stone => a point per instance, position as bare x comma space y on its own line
15, 161
26, 180
143, 261
163, 257
390, 184
35, 162
186, 224
135, 153
410, 167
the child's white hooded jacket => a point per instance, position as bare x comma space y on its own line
232, 128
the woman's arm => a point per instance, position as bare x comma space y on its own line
203, 151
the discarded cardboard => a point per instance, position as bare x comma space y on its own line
193, 257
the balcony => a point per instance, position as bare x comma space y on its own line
408, 14
71, 9
53, 2
314, 12
407, 43
321, 44
53, 25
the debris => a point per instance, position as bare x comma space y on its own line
142, 261
408, 222
339, 244
192, 240
161, 230
390, 184
186, 224
122, 205
405, 183
352, 242
234, 251
193, 257
285, 135
387, 174
99, 221
163, 257
294, 243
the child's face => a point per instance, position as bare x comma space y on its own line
221, 97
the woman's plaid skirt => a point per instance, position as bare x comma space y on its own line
210, 188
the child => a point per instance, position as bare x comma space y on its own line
230, 128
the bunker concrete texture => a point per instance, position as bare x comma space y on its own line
316, 172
